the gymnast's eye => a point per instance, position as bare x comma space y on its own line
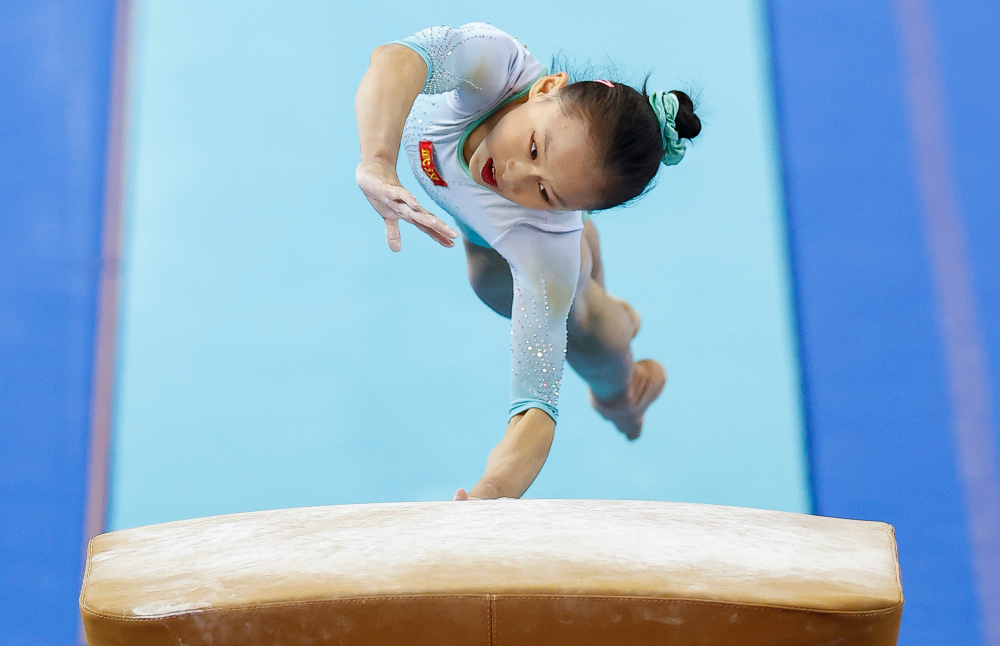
545, 195
534, 150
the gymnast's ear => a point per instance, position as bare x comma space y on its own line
548, 84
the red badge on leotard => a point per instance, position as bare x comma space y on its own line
427, 163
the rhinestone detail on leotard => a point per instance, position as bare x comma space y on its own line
537, 363
440, 43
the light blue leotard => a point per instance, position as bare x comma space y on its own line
471, 71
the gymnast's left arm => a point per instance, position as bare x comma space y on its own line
545, 268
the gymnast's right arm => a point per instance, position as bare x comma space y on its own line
545, 268
395, 76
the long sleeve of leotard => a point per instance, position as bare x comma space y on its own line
478, 60
472, 69
545, 267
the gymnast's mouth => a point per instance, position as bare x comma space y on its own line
489, 172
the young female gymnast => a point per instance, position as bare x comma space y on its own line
517, 156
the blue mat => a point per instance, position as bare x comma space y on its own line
55, 74
877, 389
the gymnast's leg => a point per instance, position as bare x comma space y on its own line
599, 333
600, 328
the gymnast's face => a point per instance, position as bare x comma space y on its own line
538, 156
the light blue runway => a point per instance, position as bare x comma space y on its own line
274, 353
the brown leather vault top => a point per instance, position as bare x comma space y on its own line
501, 572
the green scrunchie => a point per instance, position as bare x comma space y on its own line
665, 105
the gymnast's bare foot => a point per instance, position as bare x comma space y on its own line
626, 411
461, 494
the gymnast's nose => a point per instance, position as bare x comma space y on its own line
517, 172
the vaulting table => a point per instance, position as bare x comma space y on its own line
496, 573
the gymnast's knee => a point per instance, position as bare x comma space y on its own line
583, 322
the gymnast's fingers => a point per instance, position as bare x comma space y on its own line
417, 213
421, 216
392, 234
440, 239
404, 195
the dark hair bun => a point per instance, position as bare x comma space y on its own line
687, 123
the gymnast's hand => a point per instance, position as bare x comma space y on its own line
394, 203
